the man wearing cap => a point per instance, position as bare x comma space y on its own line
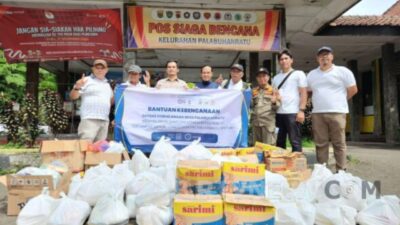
206, 76
235, 82
172, 81
96, 99
292, 87
331, 87
265, 102
134, 72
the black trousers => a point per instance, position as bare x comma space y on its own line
288, 125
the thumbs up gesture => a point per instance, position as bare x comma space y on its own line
79, 84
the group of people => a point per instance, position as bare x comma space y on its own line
277, 105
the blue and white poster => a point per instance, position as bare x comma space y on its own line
218, 117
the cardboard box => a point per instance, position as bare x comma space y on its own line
71, 152
198, 209
294, 178
22, 188
223, 151
276, 164
248, 209
286, 161
251, 158
243, 178
111, 159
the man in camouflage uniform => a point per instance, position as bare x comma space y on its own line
265, 102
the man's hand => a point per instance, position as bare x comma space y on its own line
300, 117
147, 78
81, 82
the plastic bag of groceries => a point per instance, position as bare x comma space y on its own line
115, 147
99, 170
122, 174
384, 211
110, 209
154, 215
34, 171
342, 189
308, 189
130, 203
195, 151
139, 182
38, 210
168, 174
276, 186
163, 153
139, 162
69, 212
332, 214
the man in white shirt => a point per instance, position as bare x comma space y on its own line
331, 87
134, 72
236, 82
96, 96
292, 86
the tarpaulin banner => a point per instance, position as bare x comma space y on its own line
60, 34
218, 117
167, 28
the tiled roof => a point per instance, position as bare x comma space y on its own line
367, 21
394, 10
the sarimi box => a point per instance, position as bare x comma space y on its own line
23, 188
248, 209
71, 152
198, 209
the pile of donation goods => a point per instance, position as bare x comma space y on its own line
196, 185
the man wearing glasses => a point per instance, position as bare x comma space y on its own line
96, 96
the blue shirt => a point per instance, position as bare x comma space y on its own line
207, 85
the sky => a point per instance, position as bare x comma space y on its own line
370, 7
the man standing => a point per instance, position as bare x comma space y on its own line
172, 81
236, 82
331, 87
96, 96
206, 76
264, 103
292, 86
134, 72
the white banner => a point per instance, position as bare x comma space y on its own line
183, 116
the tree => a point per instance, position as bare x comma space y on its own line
12, 80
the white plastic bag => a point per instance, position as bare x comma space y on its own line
34, 171
115, 147
288, 214
138, 184
276, 186
76, 182
38, 210
153, 215
195, 151
330, 214
131, 205
139, 162
109, 210
342, 189
384, 211
168, 174
69, 212
163, 153
99, 170
122, 174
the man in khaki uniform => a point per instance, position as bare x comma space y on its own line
265, 102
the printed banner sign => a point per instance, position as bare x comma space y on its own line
167, 28
60, 34
143, 116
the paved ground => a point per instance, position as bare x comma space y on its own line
370, 161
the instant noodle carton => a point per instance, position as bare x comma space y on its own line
223, 151
243, 178
198, 209
294, 178
198, 177
250, 151
248, 210
281, 161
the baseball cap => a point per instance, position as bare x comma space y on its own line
100, 62
262, 71
324, 49
237, 66
134, 69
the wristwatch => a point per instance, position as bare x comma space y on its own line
302, 110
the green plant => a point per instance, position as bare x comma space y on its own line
56, 117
